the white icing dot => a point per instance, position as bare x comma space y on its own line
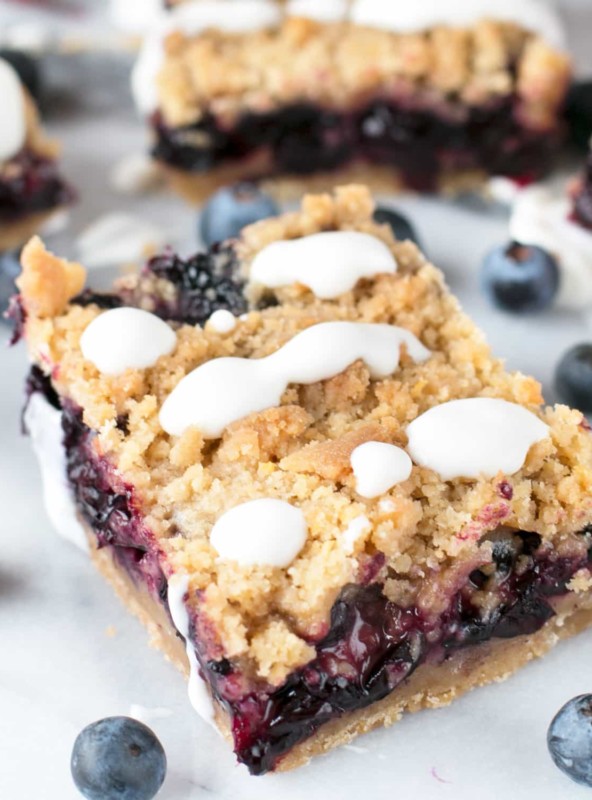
386, 505
264, 532
222, 321
476, 437
199, 694
224, 390
328, 263
118, 239
419, 15
541, 217
238, 16
323, 11
356, 528
378, 466
44, 424
13, 125
126, 338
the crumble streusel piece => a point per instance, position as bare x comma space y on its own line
30, 187
218, 477
395, 98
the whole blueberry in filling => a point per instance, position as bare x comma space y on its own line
205, 283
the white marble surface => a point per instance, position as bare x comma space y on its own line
60, 669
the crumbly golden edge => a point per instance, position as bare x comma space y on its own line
430, 686
430, 531
341, 65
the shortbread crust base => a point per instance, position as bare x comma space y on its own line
430, 686
14, 234
195, 188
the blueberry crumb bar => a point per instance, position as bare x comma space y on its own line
298, 453
429, 97
31, 190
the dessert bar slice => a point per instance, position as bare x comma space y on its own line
558, 218
432, 96
31, 189
297, 452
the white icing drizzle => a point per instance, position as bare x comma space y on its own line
222, 321
13, 124
116, 239
329, 263
44, 424
479, 436
378, 467
540, 216
136, 17
199, 694
320, 10
265, 532
238, 16
356, 528
419, 15
126, 338
224, 390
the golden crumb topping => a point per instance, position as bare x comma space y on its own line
299, 452
339, 65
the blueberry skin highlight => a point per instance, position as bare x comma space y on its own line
569, 739
401, 227
231, 209
573, 378
520, 278
118, 758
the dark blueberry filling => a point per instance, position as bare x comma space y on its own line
30, 184
582, 208
104, 301
205, 283
420, 142
108, 505
372, 644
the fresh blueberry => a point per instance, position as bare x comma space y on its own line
27, 69
230, 209
9, 269
519, 277
573, 378
118, 758
579, 113
570, 739
401, 227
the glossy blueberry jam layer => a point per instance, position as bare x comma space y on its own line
372, 645
109, 507
421, 143
30, 184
